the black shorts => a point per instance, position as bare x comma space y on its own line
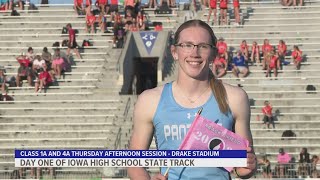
23, 78
114, 8
74, 45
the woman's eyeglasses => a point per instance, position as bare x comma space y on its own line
202, 48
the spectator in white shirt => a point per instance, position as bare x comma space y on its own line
38, 62
30, 54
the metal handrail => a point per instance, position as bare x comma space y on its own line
127, 108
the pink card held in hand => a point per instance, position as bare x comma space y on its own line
207, 135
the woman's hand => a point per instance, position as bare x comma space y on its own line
246, 172
159, 177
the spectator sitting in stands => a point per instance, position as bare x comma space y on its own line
296, 56
266, 48
3, 86
219, 66
266, 167
133, 27
255, 52
272, 61
283, 159
113, 9
282, 50
315, 166
78, 8
118, 33
128, 18
23, 59
58, 64
267, 115
38, 63
129, 5
239, 65
102, 20
30, 54
304, 163
213, 7
222, 48
158, 26
46, 55
244, 49
90, 22
24, 73
140, 21
45, 79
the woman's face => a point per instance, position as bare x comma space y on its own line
193, 63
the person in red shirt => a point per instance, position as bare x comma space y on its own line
222, 48
282, 50
72, 43
244, 49
133, 26
267, 112
129, 4
219, 66
273, 64
255, 52
90, 22
141, 20
103, 5
213, 7
45, 79
236, 7
24, 60
223, 12
77, 6
24, 71
158, 26
296, 56
266, 48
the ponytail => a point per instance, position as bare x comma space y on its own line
220, 94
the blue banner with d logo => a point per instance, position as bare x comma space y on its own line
148, 38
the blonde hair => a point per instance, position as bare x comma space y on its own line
220, 94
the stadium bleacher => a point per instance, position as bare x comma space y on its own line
86, 111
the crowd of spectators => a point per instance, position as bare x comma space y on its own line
223, 5
39, 71
286, 165
271, 58
133, 19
